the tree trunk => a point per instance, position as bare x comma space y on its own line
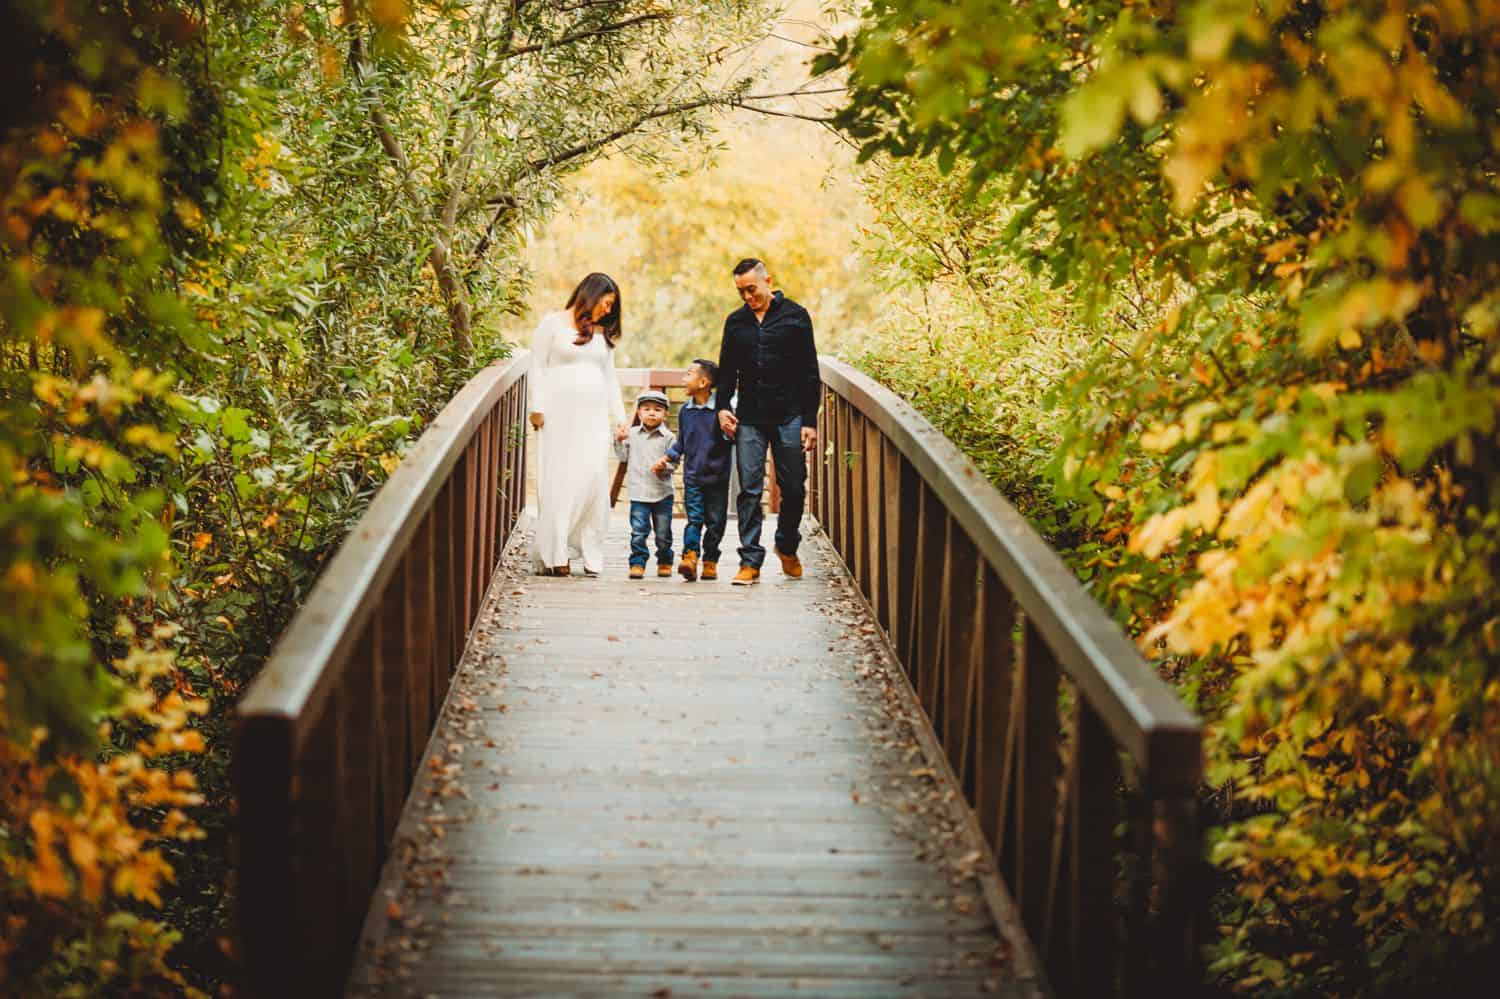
455, 297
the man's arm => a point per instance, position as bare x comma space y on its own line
811, 381
729, 376
729, 371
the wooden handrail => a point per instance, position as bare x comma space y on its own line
332, 730
1031, 689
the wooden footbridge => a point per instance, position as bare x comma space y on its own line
932, 767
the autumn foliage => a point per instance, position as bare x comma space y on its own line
85, 659
1278, 226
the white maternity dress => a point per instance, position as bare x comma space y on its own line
577, 392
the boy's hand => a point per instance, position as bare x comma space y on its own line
661, 468
622, 432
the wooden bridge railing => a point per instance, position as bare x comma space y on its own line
1044, 709
1033, 693
333, 729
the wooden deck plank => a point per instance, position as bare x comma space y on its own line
658, 788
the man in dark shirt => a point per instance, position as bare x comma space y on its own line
769, 357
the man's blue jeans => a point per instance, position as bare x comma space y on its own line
785, 443
644, 517
707, 512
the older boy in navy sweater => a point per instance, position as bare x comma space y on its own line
706, 453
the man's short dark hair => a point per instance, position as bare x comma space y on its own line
709, 368
747, 265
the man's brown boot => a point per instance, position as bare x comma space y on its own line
748, 575
637, 572
710, 571
791, 566
664, 569
688, 568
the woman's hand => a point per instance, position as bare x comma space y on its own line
537, 419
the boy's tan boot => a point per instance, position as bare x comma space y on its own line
710, 570
637, 572
688, 568
747, 576
664, 569
791, 566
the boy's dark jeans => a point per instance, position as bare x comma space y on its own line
785, 442
707, 511
644, 517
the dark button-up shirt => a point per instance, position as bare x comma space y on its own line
701, 444
772, 363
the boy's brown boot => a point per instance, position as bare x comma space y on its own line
688, 568
791, 566
637, 572
664, 569
710, 571
747, 576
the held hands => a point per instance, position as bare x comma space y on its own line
537, 419
728, 422
662, 468
809, 438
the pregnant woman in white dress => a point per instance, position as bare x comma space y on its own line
575, 402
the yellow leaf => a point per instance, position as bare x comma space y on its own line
1160, 438
85, 855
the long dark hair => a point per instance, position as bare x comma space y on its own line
581, 303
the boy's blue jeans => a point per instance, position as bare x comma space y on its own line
644, 517
785, 444
707, 512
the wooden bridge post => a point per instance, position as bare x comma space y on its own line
265, 849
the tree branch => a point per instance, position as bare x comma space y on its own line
817, 119
506, 204
491, 72
599, 142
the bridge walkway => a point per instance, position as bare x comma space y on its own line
663, 788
